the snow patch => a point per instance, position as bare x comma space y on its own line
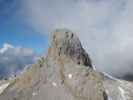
34, 93
54, 84
70, 76
3, 87
122, 93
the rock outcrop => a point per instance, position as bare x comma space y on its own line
65, 73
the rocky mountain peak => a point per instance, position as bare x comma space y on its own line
66, 42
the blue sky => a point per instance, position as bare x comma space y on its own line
18, 33
20, 44
15, 30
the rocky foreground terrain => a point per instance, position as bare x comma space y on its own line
65, 73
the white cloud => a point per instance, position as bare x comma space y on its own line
13, 59
104, 27
6, 46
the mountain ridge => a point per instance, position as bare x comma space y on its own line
65, 73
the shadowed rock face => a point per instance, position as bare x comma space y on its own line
66, 73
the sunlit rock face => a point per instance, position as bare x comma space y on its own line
65, 73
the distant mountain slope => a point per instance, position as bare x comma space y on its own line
65, 73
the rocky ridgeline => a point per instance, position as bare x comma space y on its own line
65, 73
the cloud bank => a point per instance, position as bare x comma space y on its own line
104, 27
13, 59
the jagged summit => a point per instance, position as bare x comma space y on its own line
66, 42
66, 73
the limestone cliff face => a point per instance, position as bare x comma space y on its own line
65, 73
